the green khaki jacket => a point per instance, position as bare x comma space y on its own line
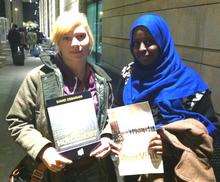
28, 124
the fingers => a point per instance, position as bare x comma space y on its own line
115, 148
107, 146
155, 145
102, 151
53, 160
116, 152
58, 163
155, 142
156, 149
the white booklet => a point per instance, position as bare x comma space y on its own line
133, 126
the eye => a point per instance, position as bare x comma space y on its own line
67, 38
147, 43
136, 44
80, 36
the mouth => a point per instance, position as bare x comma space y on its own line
144, 56
75, 52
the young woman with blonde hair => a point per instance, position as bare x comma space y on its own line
67, 72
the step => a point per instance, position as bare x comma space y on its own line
6, 49
2, 57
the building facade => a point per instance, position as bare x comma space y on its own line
49, 10
14, 11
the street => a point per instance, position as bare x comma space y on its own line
10, 79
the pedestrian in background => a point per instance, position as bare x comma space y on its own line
14, 39
23, 34
40, 36
23, 42
31, 40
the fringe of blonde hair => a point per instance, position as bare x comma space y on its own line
67, 22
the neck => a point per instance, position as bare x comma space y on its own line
78, 67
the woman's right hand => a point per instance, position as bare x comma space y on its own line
107, 146
53, 160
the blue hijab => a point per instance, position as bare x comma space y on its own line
168, 80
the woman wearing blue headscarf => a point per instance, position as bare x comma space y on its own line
179, 99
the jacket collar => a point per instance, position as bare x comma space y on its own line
47, 60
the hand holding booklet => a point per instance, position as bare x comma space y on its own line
74, 125
133, 126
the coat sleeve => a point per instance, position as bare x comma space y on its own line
21, 119
205, 107
106, 132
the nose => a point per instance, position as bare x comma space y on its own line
142, 47
76, 44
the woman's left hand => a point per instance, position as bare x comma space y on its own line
155, 145
107, 146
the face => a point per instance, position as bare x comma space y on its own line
144, 47
75, 44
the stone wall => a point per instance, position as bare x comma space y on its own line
51, 9
194, 25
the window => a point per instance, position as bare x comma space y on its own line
94, 15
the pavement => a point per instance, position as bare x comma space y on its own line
11, 77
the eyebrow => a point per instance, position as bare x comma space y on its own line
68, 34
79, 33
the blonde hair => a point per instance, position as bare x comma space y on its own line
67, 22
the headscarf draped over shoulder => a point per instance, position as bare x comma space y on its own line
167, 80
